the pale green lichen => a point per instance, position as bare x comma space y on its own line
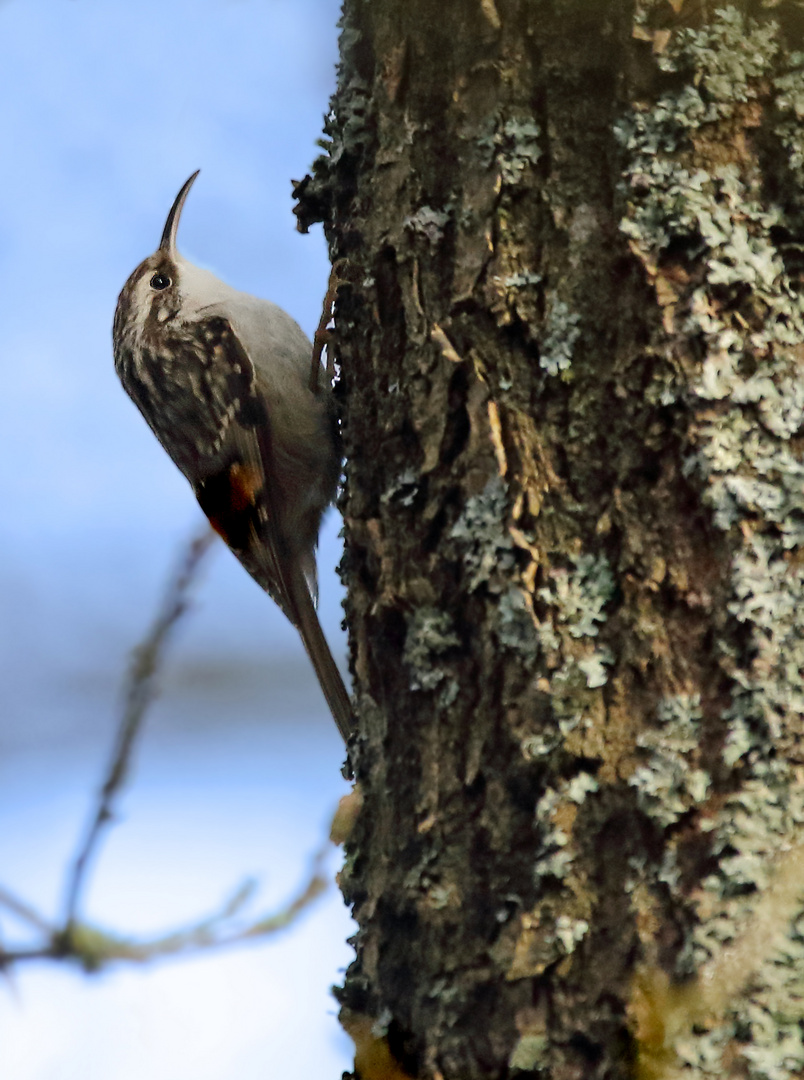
764, 817
529, 1053
347, 129
580, 786
594, 667
441, 896
522, 280
571, 696
430, 635
403, 489
668, 785
516, 627
790, 106
428, 224
553, 857
380, 1027
518, 146
486, 548
580, 595
749, 952
537, 747
561, 334
725, 58
769, 597
569, 932
575, 598
746, 317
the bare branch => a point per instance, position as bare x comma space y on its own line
90, 946
140, 692
23, 910
94, 948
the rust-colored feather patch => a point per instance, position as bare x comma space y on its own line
229, 499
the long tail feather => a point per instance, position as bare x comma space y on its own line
319, 652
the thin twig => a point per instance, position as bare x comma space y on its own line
90, 946
94, 948
23, 910
140, 692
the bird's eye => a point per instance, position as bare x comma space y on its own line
160, 281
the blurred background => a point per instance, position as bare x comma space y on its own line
105, 110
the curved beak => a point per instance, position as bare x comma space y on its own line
168, 241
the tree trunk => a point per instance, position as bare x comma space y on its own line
569, 330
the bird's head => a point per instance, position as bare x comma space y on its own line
152, 296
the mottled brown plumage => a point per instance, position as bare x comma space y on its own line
222, 378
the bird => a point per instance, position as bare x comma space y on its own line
223, 380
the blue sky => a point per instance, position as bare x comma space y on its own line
106, 109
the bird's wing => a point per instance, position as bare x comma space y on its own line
237, 492
243, 502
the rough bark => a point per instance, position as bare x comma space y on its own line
570, 343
